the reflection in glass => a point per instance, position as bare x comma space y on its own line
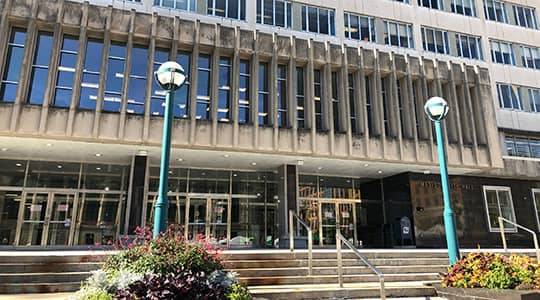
9, 211
244, 92
10, 78
40, 68
66, 71
224, 89
137, 80
203, 110
91, 73
112, 100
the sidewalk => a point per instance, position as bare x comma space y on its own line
55, 296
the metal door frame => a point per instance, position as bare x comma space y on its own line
47, 219
208, 198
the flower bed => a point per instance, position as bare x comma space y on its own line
492, 276
165, 268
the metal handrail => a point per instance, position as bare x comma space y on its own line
503, 237
340, 238
292, 215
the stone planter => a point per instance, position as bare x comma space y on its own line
485, 294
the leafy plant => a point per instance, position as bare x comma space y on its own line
495, 271
183, 286
170, 253
238, 292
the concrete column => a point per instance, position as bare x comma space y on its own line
394, 116
193, 82
412, 109
53, 69
136, 202
235, 85
26, 66
255, 91
310, 98
127, 73
77, 77
427, 127
362, 101
214, 94
471, 121
407, 116
103, 76
292, 106
288, 200
327, 106
273, 92
453, 102
476, 98
346, 109
150, 71
377, 102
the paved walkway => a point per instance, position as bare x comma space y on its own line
56, 296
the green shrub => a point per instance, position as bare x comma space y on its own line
494, 271
238, 292
170, 253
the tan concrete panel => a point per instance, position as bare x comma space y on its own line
203, 133
322, 140
180, 132
121, 21
304, 141
72, 14
391, 149
375, 149
97, 17
5, 117
424, 152
468, 157
285, 140
186, 31
143, 25
83, 124
246, 40
409, 150
207, 33
134, 128
283, 47
57, 121
302, 50
21, 8
245, 136
265, 44
225, 134
226, 37
29, 119
341, 145
155, 131
266, 136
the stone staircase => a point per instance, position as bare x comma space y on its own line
270, 274
46, 271
284, 275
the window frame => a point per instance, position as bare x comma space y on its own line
440, 4
461, 3
372, 32
502, 5
527, 11
245, 103
6, 66
497, 188
478, 46
159, 3
61, 68
516, 93
331, 15
287, 13
211, 10
499, 49
398, 27
445, 39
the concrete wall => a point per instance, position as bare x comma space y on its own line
471, 126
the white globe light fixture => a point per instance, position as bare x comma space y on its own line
436, 108
170, 76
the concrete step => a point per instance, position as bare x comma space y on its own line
59, 277
43, 268
35, 288
51, 258
364, 290
246, 264
332, 279
347, 254
257, 272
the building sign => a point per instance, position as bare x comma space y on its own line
453, 186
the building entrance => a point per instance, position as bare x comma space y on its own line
324, 216
46, 218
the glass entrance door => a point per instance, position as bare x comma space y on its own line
324, 216
46, 219
209, 217
328, 223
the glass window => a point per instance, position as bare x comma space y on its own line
509, 96
300, 98
525, 16
435, 40
40, 68
385, 104
203, 110
398, 34
282, 96
317, 84
12, 172
435, 4
360, 28
188, 5
53, 174
464, 7
244, 92
274, 12
318, 20
502, 53
66, 71
335, 101
522, 146
91, 73
368, 105
112, 100
352, 103
103, 177
469, 46
530, 57
137, 80
534, 98
495, 11
224, 89
232, 9
15, 52
264, 97
498, 202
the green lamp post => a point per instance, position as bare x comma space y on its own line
436, 109
170, 76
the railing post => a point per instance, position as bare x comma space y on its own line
535, 239
310, 252
383, 292
339, 257
503, 237
291, 229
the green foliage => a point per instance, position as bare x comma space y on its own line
494, 271
102, 285
238, 292
88, 293
170, 253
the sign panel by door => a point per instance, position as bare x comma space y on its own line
47, 219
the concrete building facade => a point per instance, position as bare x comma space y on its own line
310, 106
